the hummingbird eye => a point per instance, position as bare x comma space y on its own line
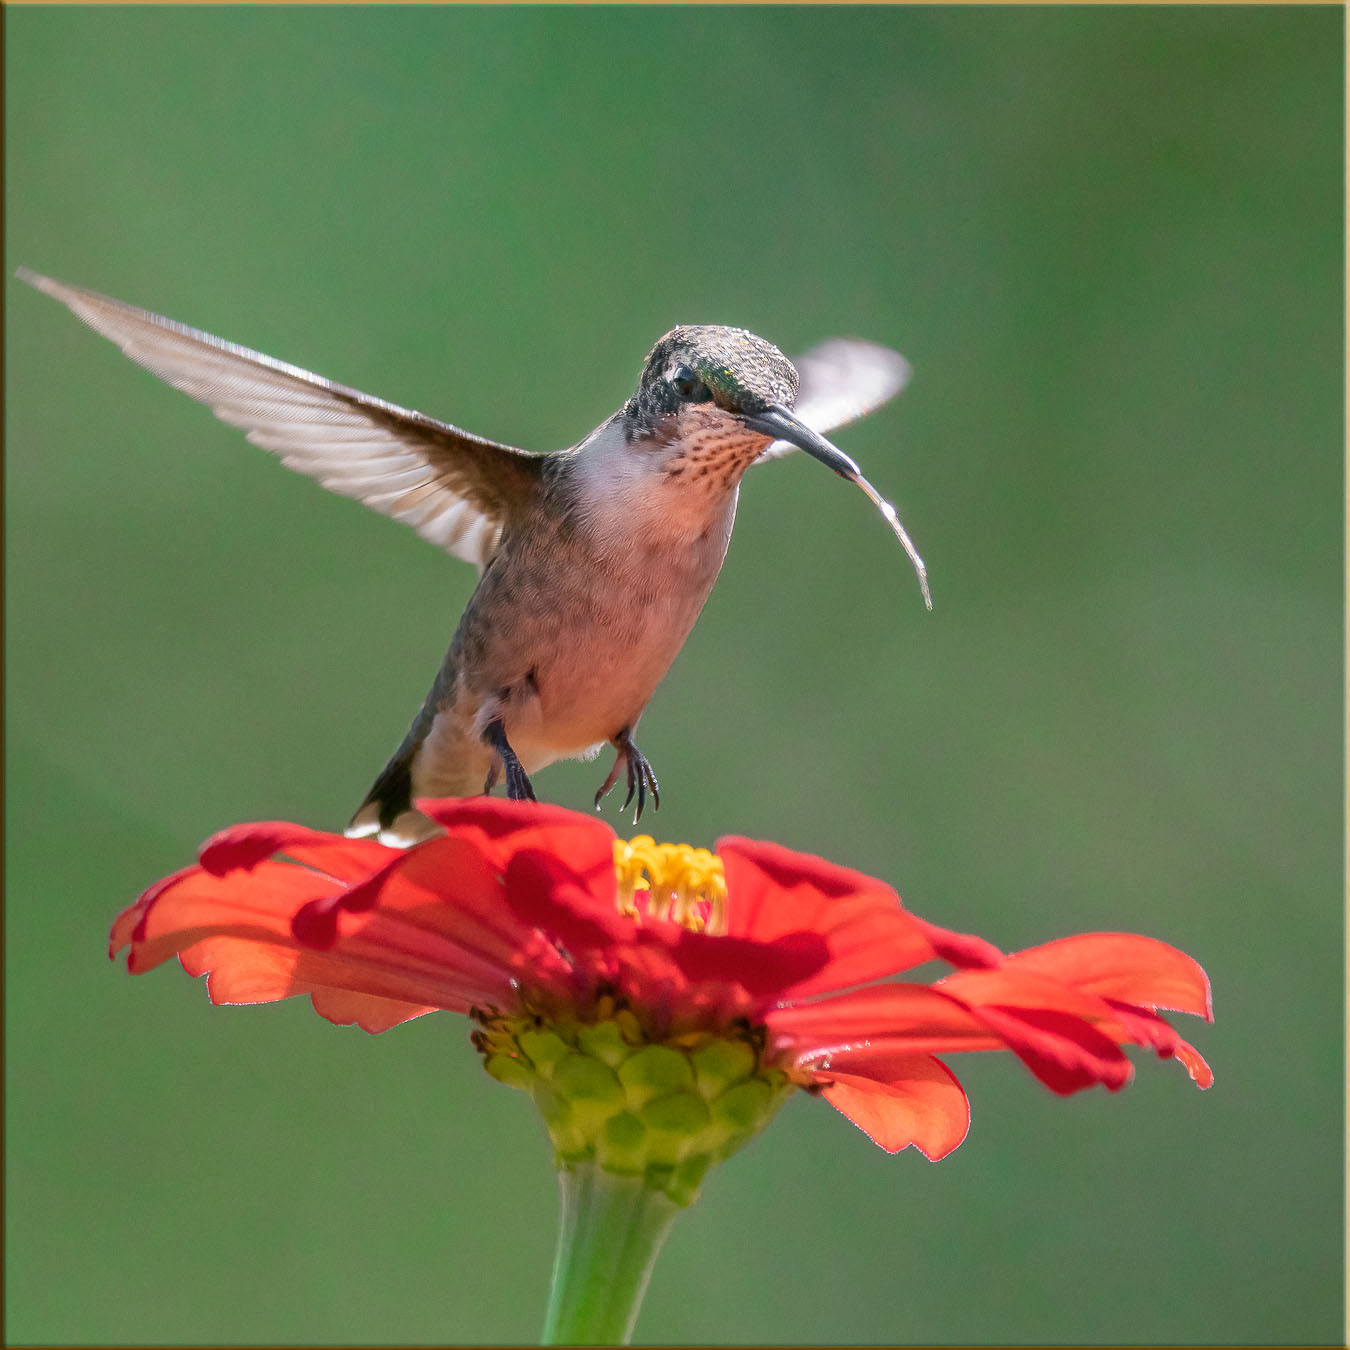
689, 386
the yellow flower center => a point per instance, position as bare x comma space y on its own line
685, 884
642, 1092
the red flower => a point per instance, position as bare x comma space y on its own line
518, 912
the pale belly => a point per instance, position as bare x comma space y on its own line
566, 651
594, 678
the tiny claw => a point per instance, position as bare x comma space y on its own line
608, 785
518, 785
639, 774
640, 770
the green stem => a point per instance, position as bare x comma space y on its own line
612, 1229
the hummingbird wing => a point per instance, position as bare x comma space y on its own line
841, 380
453, 488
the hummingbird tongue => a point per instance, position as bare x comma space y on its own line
778, 422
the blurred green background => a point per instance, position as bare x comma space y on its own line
1110, 242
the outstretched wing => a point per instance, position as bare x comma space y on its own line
453, 488
841, 380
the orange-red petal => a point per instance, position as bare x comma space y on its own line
515, 906
245, 846
501, 829
193, 904
416, 951
772, 891
1066, 1053
904, 1018
241, 971
898, 1100
1123, 966
1145, 1027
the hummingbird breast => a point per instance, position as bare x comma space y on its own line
574, 623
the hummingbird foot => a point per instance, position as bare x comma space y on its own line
518, 787
641, 777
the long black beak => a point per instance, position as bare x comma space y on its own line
778, 422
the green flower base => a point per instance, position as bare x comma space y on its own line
662, 1112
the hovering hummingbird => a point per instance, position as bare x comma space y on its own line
594, 562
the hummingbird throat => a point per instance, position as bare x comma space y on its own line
713, 456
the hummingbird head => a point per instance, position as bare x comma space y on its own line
707, 369
667, 465
712, 398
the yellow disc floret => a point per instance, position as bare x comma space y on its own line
684, 884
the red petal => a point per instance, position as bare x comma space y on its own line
1011, 987
772, 891
244, 846
416, 950
1123, 966
240, 971
898, 1100
1042, 1022
1194, 1063
315, 925
963, 950
439, 910
341, 858
367, 1011
900, 1017
1146, 1028
452, 886
1051, 1026
1066, 1053
386, 965
500, 829
128, 922
766, 970
544, 893
192, 904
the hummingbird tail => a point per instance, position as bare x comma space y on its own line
439, 757
387, 810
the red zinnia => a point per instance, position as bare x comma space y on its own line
536, 921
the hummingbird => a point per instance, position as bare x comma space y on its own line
594, 562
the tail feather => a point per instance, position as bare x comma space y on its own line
437, 758
389, 796
387, 810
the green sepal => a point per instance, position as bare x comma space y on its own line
663, 1111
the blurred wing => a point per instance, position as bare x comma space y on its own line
841, 380
453, 488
